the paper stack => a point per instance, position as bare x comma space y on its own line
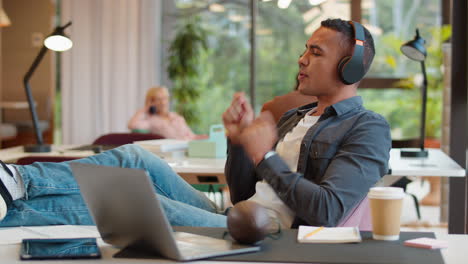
165, 148
426, 242
315, 234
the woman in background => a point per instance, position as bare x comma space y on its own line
156, 118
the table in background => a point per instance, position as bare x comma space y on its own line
14, 105
193, 170
11, 105
206, 175
436, 164
199, 170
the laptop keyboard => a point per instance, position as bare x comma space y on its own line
192, 245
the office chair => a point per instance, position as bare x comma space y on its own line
359, 216
31, 159
113, 140
119, 139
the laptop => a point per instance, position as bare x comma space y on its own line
128, 214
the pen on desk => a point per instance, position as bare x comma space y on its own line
314, 232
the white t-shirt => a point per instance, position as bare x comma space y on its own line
288, 149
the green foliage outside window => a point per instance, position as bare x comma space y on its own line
184, 55
224, 67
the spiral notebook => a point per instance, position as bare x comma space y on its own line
317, 234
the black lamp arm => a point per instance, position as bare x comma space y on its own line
59, 29
424, 102
27, 88
66, 25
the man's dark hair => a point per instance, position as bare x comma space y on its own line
346, 28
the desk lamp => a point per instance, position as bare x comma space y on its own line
4, 20
415, 50
57, 41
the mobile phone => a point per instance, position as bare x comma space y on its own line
152, 110
70, 248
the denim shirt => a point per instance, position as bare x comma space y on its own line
344, 154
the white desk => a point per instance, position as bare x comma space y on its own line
200, 171
11, 105
436, 164
193, 170
11, 155
454, 254
14, 105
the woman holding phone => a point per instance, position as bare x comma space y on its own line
155, 117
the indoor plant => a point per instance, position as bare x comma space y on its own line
184, 51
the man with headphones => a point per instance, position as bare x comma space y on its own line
328, 155
320, 160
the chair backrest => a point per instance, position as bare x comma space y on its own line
31, 159
119, 139
360, 216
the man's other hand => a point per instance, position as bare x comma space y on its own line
238, 116
260, 137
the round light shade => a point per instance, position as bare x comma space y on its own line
283, 4
4, 20
58, 43
414, 49
316, 2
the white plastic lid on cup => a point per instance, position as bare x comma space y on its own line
386, 193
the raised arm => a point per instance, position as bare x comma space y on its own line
139, 121
239, 170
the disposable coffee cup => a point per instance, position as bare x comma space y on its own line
386, 204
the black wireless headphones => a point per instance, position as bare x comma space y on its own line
351, 69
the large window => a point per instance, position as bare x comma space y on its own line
392, 23
280, 38
224, 66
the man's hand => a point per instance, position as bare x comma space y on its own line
238, 116
260, 137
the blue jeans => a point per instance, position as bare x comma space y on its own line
53, 197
